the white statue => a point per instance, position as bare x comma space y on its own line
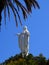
23, 39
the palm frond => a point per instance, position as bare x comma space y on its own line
12, 7
30, 3
25, 10
8, 10
5, 14
15, 10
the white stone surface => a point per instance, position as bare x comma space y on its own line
23, 40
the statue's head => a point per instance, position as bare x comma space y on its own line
25, 27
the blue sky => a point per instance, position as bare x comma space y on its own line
38, 25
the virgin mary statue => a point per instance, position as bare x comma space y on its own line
23, 40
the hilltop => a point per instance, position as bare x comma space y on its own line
29, 60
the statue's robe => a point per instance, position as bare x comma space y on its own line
23, 40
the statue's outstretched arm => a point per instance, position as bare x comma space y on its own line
18, 34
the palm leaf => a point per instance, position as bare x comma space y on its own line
29, 4
25, 10
8, 10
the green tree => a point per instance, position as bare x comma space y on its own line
7, 4
41, 60
47, 62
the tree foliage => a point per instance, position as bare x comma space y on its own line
29, 60
7, 4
